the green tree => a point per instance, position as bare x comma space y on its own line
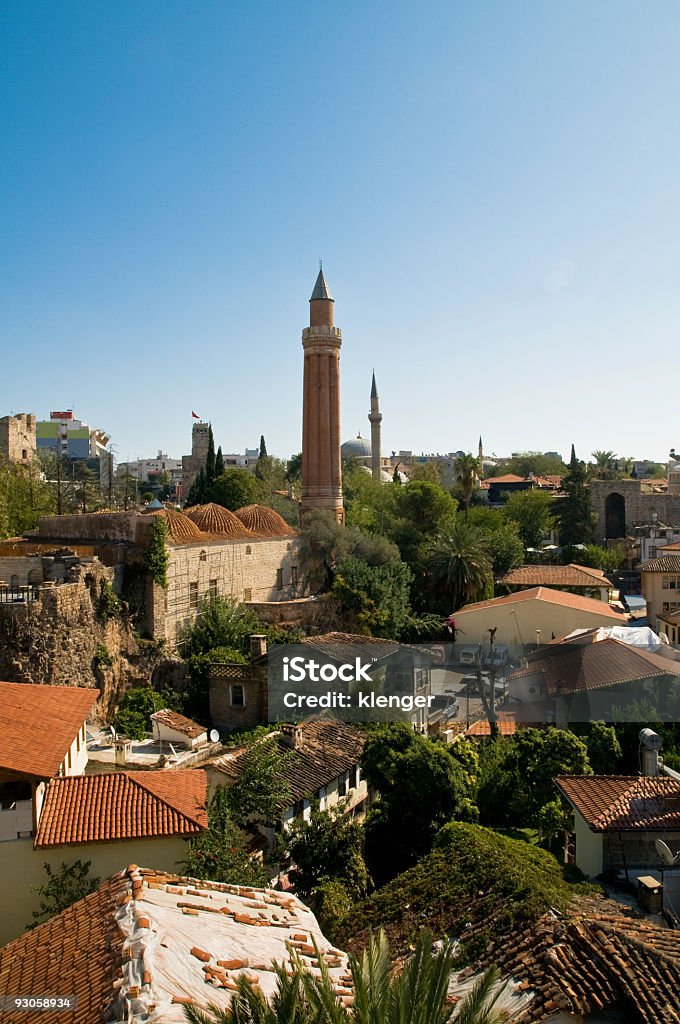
330, 845
198, 491
221, 622
573, 511
372, 599
135, 709
604, 749
156, 557
63, 888
427, 472
221, 852
459, 567
417, 993
294, 474
421, 511
210, 458
467, 468
325, 543
605, 466
219, 463
532, 511
421, 787
262, 789
235, 488
517, 773
538, 463
505, 548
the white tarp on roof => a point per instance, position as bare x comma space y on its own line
636, 636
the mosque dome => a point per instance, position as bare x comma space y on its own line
264, 521
357, 448
181, 530
217, 520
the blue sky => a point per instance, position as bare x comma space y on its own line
493, 188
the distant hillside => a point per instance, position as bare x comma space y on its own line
477, 886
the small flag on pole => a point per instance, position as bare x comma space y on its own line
195, 415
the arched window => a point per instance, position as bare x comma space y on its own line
614, 516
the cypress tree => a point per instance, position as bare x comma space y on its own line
574, 513
263, 448
210, 458
219, 463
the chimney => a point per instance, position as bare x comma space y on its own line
291, 736
650, 744
258, 645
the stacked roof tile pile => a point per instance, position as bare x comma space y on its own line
217, 521
264, 521
146, 943
598, 956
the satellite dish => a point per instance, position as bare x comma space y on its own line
664, 852
214, 736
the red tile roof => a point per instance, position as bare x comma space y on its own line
571, 667
77, 953
666, 563
558, 597
38, 724
122, 805
598, 956
556, 576
327, 749
622, 802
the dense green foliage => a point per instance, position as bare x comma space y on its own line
156, 555
330, 845
422, 785
538, 463
235, 488
458, 568
516, 774
137, 706
476, 885
467, 469
221, 852
373, 599
221, 622
262, 789
532, 511
415, 994
573, 512
62, 888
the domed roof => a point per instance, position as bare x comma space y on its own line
181, 530
264, 521
357, 448
217, 520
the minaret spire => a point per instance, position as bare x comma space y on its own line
375, 419
321, 465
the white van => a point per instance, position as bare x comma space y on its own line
469, 656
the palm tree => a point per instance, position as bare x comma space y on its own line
606, 465
467, 469
459, 564
417, 994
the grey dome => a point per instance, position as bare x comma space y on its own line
357, 448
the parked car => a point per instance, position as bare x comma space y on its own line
469, 655
501, 656
500, 685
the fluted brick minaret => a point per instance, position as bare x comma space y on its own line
375, 419
321, 467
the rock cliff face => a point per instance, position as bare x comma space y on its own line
75, 634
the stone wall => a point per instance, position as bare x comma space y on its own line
95, 526
17, 438
61, 639
245, 570
640, 503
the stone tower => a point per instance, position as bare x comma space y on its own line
375, 419
321, 468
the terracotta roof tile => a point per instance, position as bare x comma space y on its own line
598, 956
38, 724
622, 803
556, 576
181, 529
122, 805
666, 563
574, 667
558, 597
264, 521
217, 521
327, 750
